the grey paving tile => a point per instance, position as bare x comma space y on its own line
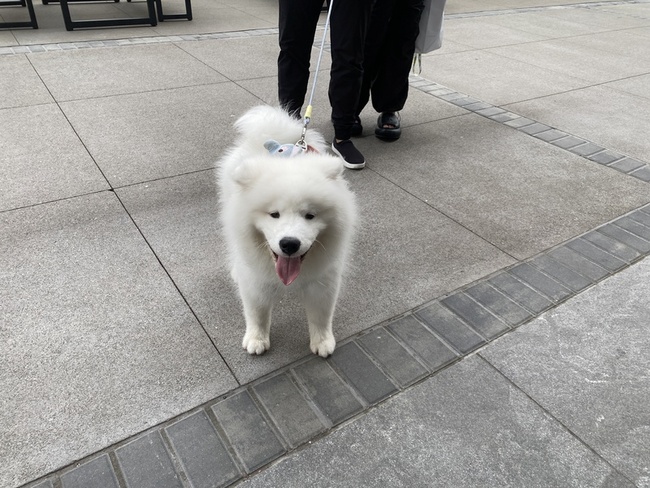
595, 254
289, 410
520, 122
568, 142
478, 106
327, 390
612, 246
490, 112
634, 227
498, 303
594, 349
479, 318
97, 473
20, 85
642, 173
627, 165
362, 373
504, 117
534, 129
563, 274
463, 101
485, 433
606, 157
578, 263
44, 484
448, 326
640, 217
515, 215
550, 135
520, 293
619, 124
586, 149
145, 463
540, 282
204, 457
394, 359
92, 73
115, 128
429, 348
42, 159
627, 238
249, 433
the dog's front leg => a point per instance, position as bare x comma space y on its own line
319, 300
257, 312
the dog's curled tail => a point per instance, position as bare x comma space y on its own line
263, 123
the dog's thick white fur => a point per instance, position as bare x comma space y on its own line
288, 223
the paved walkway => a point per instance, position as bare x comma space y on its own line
494, 326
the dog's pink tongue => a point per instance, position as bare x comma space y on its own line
287, 269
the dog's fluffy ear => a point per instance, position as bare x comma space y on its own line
245, 173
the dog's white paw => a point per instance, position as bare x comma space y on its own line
255, 344
323, 346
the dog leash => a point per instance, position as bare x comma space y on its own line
301, 142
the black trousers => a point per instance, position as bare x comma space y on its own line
348, 26
389, 49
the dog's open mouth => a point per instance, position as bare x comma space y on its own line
287, 268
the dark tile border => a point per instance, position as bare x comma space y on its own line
559, 138
231, 437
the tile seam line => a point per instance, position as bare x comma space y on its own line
552, 416
367, 407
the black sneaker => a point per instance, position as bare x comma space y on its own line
352, 158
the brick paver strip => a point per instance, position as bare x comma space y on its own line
520, 293
625, 237
540, 282
204, 457
640, 217
145, 463
595, 254
635, 228
98, 473
362, 373
248, 431
612, 246
550, 135
578, 263
568, 142
643, 173
392, 357
586, 149
428, 347
561, 273
499, 304
606, 157
291, 413
627, 165
520, 122
476, 316
448, 326
327, 390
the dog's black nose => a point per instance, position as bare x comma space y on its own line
289, 245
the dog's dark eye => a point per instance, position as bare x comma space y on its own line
275, 215
309, 216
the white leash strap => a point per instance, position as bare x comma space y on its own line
301, 143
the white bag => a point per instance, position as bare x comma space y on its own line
430, 37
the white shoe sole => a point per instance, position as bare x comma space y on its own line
345, 163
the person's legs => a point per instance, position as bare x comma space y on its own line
377, 28
349, 23
390, 87
297, 25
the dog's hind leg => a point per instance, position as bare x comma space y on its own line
319, 300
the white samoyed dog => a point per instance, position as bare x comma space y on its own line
288, 221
